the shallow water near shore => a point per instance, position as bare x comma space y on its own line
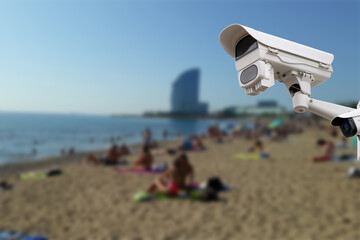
29, 136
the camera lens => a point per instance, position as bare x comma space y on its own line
348, 127
249, 74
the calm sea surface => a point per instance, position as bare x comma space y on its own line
25, 136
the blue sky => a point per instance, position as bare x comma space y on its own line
122, 56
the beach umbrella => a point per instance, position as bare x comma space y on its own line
354, 141
276, 123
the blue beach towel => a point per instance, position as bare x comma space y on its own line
13, 235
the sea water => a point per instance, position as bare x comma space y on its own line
28, 136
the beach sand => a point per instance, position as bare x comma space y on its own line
284, 197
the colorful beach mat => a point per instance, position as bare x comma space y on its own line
251, 156
193, 195
137, 172
344, 158
27, 176
143, 196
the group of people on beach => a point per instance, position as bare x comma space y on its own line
112, 157
180, 174
178, 177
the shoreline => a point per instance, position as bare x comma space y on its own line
17, 167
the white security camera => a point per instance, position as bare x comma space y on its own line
261, 58
349, 123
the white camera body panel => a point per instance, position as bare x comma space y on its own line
283, 55
351, 114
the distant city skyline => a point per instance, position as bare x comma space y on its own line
120, 57
185, 94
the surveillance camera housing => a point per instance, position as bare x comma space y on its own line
349, 123
260, 58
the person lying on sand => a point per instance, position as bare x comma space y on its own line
145, 160
124, 150
328, 149
197, 143
180, 176
111, 158
192, 144
257, 146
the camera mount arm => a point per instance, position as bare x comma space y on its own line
327, 110
299, 86
330, 111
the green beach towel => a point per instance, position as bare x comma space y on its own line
251, 156
143, 196
27, 176
247, 156
42, 175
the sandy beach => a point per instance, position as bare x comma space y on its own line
283, 197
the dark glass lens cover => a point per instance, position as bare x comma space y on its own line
245, 46
249, 74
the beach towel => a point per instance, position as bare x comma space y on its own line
42, 175
143, 196
13, 235
344, 158
341, 145
7, 235
137, 171
156, 169
110, 164
27, 176
34, 237
251, 156
195, 194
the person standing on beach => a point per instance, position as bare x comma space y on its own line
165, 134
147, 136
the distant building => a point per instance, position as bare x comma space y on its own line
262, 108
185, 94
